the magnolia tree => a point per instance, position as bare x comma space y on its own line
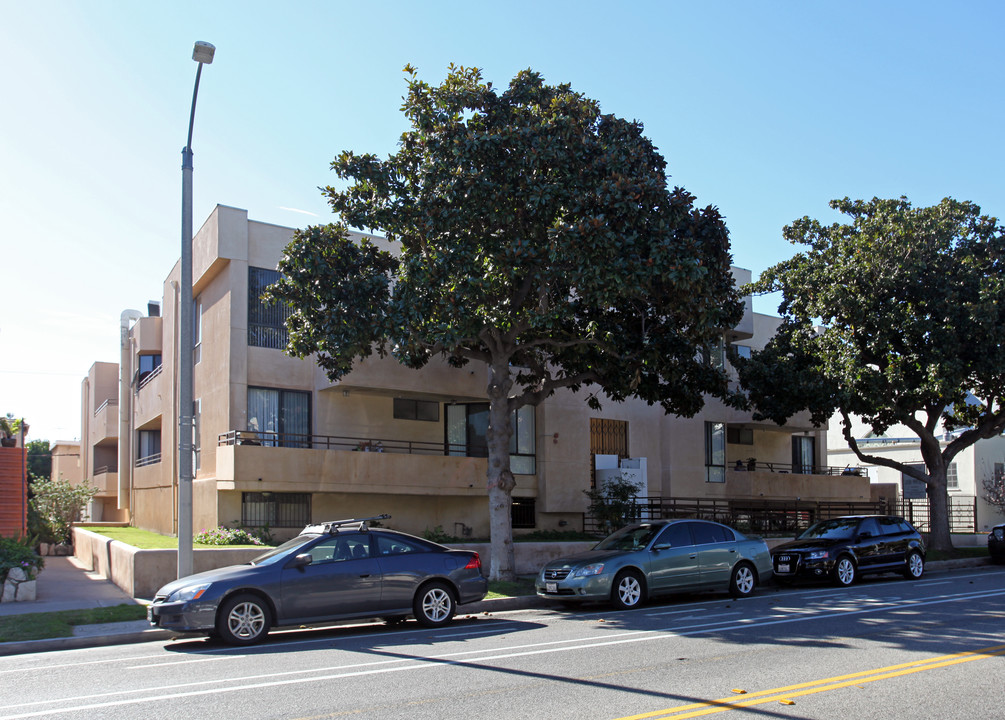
897, 317
533, 234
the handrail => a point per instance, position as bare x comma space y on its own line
360, 444
150, 376
148, 460
106, 403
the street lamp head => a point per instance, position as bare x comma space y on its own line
203, 52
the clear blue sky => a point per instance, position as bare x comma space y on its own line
765, 110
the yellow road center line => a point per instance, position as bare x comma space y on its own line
817, 686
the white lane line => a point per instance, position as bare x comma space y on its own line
487, 655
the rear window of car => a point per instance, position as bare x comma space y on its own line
388, 545
893, 526
706, 533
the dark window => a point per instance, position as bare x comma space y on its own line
148, 447
407, 409
803, 454
891, 525
707, 533
148, 366
266, 321
715, 452
676, 535
280, 417
393, 545
869, 525
277, 510
523, 512
467, 428
739, 436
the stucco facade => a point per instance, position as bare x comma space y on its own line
277, 441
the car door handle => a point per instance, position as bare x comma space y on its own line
365, 576
692, 557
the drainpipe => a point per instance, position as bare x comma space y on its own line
124, 501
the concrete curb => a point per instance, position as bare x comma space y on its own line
126, 633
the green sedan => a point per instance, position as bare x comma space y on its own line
655, 558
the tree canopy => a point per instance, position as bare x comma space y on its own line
534, 234
896, 317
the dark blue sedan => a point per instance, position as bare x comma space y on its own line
339, 570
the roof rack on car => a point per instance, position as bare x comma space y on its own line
333, 526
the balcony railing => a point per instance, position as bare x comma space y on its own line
147, 378
751, 465
148, 460
106, 469
110, 402
333, 442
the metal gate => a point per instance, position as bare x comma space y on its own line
962, 513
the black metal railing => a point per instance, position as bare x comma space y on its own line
962, 513
334, 442
747, 515
751, 465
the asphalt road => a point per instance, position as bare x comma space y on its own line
884, 648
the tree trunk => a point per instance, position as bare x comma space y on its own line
938, 513
499, 479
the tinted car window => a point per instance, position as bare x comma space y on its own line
839, 529
632, 537
676, 535
706, 533
388, 545
870, 526
270, 556
891, 525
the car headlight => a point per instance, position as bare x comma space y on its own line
818, 555
189, 592
588, 570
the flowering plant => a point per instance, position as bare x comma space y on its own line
227, 536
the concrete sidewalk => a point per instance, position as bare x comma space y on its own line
64, 584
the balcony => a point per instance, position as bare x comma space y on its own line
106, 422
106, 481
254, 462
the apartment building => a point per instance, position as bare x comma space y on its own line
278, 444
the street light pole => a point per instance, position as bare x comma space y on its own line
202, 54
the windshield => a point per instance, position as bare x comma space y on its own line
839, 529
272, 554
633, 537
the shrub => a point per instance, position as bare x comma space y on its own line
19, 553
227, 536
58, 504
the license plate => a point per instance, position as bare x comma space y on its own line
551, 587
783, 568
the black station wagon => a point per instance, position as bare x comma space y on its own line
842, 549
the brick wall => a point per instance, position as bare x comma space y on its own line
13, 492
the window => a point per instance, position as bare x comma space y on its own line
713, 354
148, 447
803, 454
277, 510
742, 351
706, 533
149, 366
266, 321
406, 409
715, 452
522, 512
739, 436
676, 535
952, 479
197, 331
467, 428
280, 417
394, 545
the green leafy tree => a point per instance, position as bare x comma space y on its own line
614, 505
537, 236
897, 317
39, 460
58, 504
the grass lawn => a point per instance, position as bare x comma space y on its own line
515, 588
957, 553
146, 540
40, 626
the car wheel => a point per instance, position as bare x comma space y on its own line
844, 571
243, 620
629, 590
915, 565
434, 605
743, 581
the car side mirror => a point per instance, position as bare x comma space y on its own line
302, 560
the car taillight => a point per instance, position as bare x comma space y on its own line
475, 563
